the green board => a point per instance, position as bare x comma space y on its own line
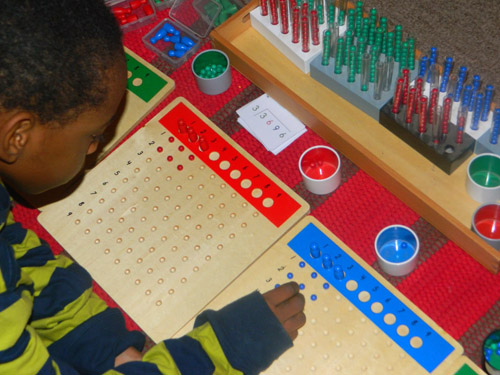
143, 82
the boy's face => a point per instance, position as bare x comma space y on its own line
53, 155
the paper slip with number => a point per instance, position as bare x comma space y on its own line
270, 123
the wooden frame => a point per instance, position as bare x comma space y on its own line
439, 198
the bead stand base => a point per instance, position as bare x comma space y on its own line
283, 42
351, 91
484, 146
448, 155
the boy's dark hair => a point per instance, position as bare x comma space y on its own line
54, 55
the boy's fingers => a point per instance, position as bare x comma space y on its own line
295, 322
290, 307
282, 293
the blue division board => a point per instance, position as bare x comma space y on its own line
357, 322
427, 347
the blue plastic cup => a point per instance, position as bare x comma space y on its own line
397, 248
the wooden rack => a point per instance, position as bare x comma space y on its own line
439, 198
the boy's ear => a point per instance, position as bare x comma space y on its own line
15, 131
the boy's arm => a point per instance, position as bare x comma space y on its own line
244, 337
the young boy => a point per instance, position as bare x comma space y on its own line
62, 78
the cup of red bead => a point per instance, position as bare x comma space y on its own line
212, 71
486, 223
320, 169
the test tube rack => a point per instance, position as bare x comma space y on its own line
446, 154
351, 91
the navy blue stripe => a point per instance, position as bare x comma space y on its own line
189, 356
139, 368
17, 350
9, 298
64, 287
92, 346
48, 369
36, 256
9, 269
14, 233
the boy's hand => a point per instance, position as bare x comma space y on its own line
287, 304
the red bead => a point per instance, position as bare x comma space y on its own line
181, 148
180, 167
118, 11
159, 149
132, 18
182, 126
171, 139
148, 10
203, 144
170, 158
134, 4
192, 136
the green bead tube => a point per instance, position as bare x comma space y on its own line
339, 56
348, 43
404, 56
398, 36
411, 53
331, 15
341, 18
325, 60
351, 64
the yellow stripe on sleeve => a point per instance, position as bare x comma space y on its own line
53, 328
31, 360
205, 335
160, 356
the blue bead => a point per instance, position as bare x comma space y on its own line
338, 272
302, 264
314, 275
175, 39
326, 286
276, 285
315, 250
176, 53
314, 297
302, 286
169, 28
289, 275
327, 261
181, 46
187, 41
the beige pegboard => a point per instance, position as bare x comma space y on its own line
338, 337
163, 226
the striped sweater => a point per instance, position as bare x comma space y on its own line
52, 323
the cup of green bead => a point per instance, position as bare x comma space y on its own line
486, 223
491, 352
483, 178
397, 248
212, 71
320, 169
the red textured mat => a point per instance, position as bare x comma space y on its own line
448, 285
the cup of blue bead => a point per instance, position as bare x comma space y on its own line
172, 41
491, 352
486, 223
397, 248
212, 71
483, 178
320, 168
